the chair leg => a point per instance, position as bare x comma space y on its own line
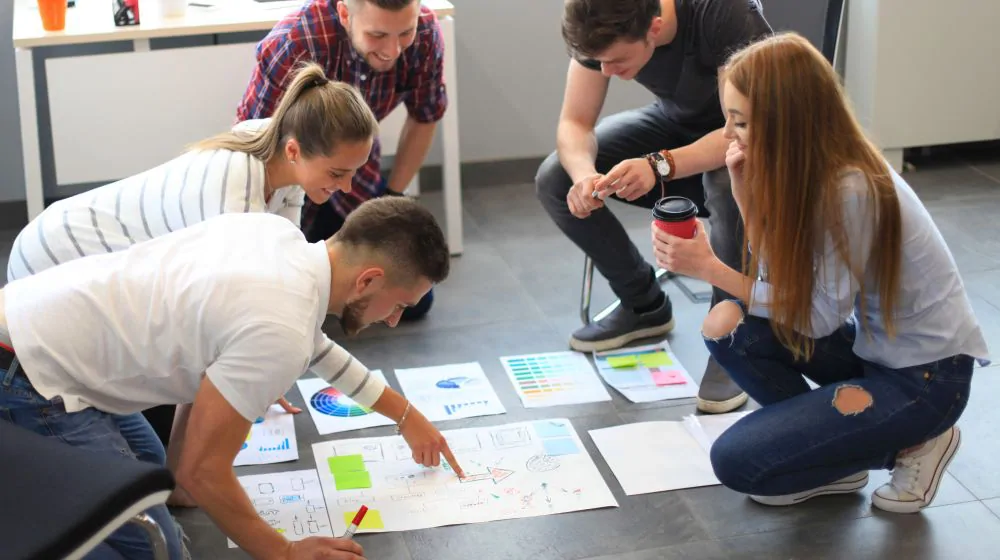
588, 284
155, 532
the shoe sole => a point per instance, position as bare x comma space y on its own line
621, 340
896, 506
721, 407
839, 487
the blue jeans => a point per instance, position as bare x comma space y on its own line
129, 435
799, 439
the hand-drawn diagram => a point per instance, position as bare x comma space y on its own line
291, 502
511, 471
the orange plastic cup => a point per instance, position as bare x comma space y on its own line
53, 14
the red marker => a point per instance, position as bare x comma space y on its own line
356, 522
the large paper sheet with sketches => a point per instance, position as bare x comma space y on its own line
271, 439
333, 411
450, 392
291, 502
512, 471
649, 457
646, 373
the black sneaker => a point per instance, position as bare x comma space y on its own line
622, 326
718, 393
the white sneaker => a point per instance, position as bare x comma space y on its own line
845, 485
917, 474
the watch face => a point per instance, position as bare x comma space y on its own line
663, 167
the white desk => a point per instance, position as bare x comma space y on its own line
114, 115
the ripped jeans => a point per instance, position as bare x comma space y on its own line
804, 438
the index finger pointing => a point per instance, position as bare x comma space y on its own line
446, 451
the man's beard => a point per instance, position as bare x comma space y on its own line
350, 319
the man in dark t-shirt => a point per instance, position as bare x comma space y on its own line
673, 146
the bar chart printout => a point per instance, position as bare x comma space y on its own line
554, 378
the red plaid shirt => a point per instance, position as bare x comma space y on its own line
313, 32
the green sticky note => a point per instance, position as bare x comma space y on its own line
372, 520
655, 359
346, 463
623, 361
352, 480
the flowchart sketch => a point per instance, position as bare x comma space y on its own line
291, 503
554, 378
271, 439
450, 392
646, 373
334, 412
512, 471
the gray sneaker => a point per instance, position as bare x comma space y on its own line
622, 326
718, 393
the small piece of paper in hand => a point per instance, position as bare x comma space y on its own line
623, 361
372, 520
668, 377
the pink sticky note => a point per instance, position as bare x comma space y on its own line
668, 377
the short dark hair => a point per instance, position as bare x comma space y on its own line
402, 232
589, 27
391, 5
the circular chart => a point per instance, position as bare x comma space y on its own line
332, 402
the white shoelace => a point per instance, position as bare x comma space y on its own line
904, 476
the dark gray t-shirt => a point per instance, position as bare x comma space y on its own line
683, 75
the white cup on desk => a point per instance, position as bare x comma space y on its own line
172, 8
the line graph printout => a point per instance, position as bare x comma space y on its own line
511, 471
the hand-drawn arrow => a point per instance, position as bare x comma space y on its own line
492, 473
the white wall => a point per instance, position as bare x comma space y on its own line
511, 64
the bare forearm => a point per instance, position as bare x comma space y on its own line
705, 154
728, 280
414, 143
218, 492
390, 404
577, 149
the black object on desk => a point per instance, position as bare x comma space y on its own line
126, 12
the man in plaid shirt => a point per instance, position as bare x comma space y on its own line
393, 52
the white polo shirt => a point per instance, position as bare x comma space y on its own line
238, 297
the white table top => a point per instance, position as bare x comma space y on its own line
91, 21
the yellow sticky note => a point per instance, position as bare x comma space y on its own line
372, 520
655, 359
623, 361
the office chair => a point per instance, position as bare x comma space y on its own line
59, 501
832, 30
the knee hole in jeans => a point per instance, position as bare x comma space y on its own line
722, 320
851, 400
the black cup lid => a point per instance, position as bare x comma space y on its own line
674, 209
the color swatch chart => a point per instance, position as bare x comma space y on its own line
554, 378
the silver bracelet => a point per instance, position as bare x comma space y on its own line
406, 411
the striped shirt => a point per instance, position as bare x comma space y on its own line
189, 189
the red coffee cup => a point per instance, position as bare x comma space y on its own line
676, 215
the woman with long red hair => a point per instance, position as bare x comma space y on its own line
847, 283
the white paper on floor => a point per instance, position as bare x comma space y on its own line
646, 373
291, 502
450, 392
512, 471
333, 411
271, 439
554, 378
649, 457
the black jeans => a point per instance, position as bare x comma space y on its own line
622, 136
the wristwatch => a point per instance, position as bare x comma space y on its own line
663, 165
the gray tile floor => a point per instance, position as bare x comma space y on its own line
516, 290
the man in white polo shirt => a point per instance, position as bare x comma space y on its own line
226, 315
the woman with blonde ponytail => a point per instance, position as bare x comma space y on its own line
848, 284
321, 133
